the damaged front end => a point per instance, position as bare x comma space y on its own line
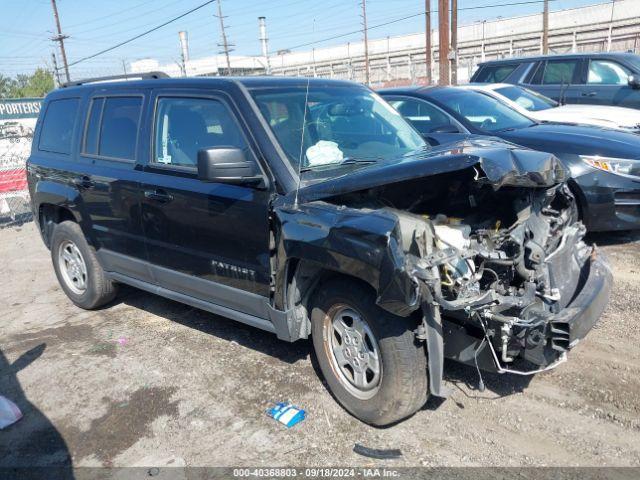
486, 252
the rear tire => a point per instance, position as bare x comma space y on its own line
76, 265
352, 335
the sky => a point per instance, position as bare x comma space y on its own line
92, 25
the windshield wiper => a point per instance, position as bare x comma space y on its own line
346, 161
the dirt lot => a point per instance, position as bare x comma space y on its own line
148, 381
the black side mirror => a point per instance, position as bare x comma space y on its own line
430, 140
634, 80
445, 129
227, 165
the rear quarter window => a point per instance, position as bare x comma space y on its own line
58, 124
494, 73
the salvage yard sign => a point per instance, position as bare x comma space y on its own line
17, 124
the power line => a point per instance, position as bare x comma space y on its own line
143, 34
354, 32
406, 17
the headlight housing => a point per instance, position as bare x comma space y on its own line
619, 166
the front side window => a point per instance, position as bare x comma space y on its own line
527, 99
483, 111
331, 125
605, 72
57, 126
184, 126
559, 72
424, 116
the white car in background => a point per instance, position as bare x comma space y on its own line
543, 109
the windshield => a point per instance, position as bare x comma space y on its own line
342, 125
532, 101
482, 111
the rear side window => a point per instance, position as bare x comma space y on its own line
93, 127
57, 126
495, 73
112, 127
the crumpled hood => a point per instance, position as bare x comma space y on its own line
606, 116
497, 162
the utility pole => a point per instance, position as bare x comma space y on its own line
60, 39
225, 44
610, 36
184, 51
366, 41
443, 44
454, 42
264, 42
545, 28
56, 73
482, 46
427, 33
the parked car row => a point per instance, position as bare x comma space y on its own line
310, 207
587, 78
604, 162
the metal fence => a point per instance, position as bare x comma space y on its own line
15, 143
17, 123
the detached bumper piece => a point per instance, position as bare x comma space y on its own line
544, 343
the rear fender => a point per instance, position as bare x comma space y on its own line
58, 194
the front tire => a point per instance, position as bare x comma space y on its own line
76, 265
370, 359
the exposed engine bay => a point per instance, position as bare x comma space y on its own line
497, 264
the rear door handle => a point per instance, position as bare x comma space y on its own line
589, 94
83, 182
158, 196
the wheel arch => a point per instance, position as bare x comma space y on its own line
49, 215
302, 281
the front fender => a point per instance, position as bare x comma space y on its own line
362, 243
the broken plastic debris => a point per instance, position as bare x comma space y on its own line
323, 153
9, 412
286, 414
381, 454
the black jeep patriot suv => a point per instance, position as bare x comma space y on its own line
310, 207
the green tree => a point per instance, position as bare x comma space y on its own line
6, 86
38, 84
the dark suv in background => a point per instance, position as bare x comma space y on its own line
590, 78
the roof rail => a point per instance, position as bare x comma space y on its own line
126, 76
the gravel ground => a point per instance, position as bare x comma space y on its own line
148, 381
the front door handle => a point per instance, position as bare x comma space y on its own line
589, 94
158, 195
83, 182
